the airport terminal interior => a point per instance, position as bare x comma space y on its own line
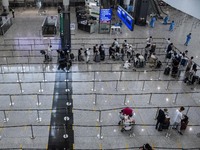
55, 96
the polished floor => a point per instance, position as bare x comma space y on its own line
100, 90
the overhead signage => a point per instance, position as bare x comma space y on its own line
105, 15
125, 17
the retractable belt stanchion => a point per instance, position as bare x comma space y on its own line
167, 88
20, 86
65, 136
159, 75
99, 119
18, 78
143, 86
38, 101
32, 134
66, 118
5, 117
149, 102
175, 98
38, 117
95, 99
93, 89
41, 90
100, 133
116, 87
187, 110
11, 101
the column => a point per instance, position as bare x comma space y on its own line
5, 4
66, 5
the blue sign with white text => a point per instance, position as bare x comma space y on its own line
105, 15
125, 17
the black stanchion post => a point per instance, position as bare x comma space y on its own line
44, 78
188, 110
99, 119
87, 67
65, 136
41, 90
175, 98
116, 87
38, 117
66, 118
5, 117
125, 99
18, 79
159, 72
20, 86
38, 100
11, 101
32, 134
143, 86
100, 133
167, 88
95, 100
150, 99
120, 76
93, 89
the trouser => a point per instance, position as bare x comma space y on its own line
177, 126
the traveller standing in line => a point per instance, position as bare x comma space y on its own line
149, 40
188, 38
152, 22
160, 119
189, 65
171, 27
168, 41
177, 120
87, 54
165, 20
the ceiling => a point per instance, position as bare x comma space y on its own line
191, 7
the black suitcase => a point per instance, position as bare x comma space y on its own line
184, 122
167, 70
97, 58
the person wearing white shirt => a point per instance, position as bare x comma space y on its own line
87, 55
177, 120
149, 40
127, 64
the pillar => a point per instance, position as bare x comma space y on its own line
5, 4
66, 5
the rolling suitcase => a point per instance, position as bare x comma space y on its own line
167, 70
97, 58
184, 122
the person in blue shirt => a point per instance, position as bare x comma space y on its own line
171, 27
188, 38
165, 20
152, 22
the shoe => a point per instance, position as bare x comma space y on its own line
174, 128
180, 133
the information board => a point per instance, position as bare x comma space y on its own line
125, 17
105, 15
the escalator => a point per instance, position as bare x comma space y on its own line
156, 9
